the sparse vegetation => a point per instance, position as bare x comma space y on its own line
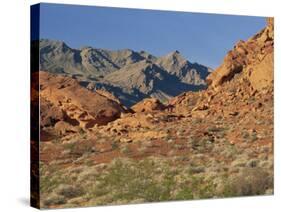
151, 179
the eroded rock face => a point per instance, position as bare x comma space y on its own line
63, 99
148, 105
253, 59
49, 113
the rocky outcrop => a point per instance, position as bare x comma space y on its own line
148, 105
63, 99
252, 58
246, 75
49, 113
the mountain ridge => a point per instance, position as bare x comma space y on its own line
97, 68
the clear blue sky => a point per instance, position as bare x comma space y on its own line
202, 38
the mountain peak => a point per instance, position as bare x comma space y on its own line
56, 43
174, 53
172, 62
174, 57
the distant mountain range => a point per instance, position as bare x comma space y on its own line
129, 75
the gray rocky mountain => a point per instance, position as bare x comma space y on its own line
129, 75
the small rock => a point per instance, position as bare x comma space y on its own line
126, 140
234, 113
170, 141
201, 107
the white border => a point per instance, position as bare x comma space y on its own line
14, 90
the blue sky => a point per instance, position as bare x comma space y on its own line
202, 38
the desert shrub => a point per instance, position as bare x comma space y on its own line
70, 147
245, 135
53, 199
252, 163
184, 194
50, 178
200, 144
216, 129
125, 150
196, 169
250, 181
197, 121
229, 151
68, 191
196, 187
57, 140
240, 161
56, 183
79, 148
114, 145
254, 137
